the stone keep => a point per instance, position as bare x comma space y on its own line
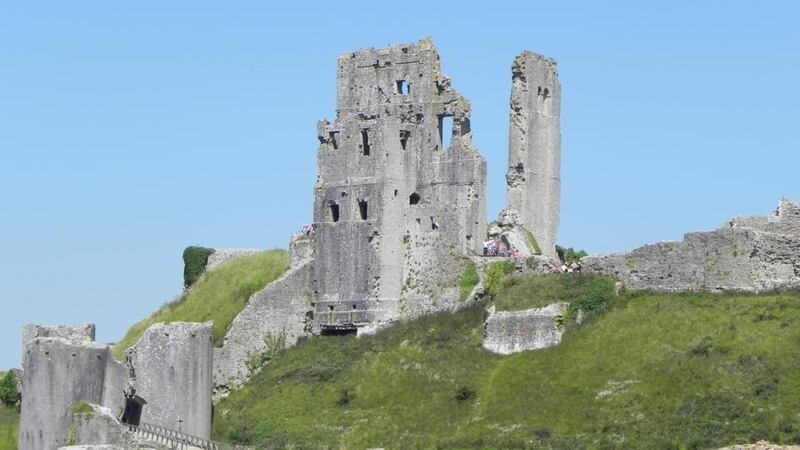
534, 147
399, 195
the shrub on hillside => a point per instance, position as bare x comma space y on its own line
194, 263
569, 255
494, 274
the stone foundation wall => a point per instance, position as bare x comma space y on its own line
510, 332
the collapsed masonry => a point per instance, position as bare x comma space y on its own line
753, 254
534, 148
165, 379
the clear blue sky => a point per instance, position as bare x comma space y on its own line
128, 132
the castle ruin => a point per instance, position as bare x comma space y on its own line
534, 147
399, 211
400, 196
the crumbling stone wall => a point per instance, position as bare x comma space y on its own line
224, 255
173, 368
510, 332
170, 367
534, 147
751, 254
276, 314
58, 372
394, 209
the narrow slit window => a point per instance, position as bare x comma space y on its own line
434, 225
334, 207
365, 141
445, 131
332, 136
362, 209
413, 199
404, 135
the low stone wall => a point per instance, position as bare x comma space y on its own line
752, 254
273, 315
224, 255
510, 332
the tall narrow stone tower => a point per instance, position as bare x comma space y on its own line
534, 147
400, 195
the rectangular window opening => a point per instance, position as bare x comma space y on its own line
362, 209
365, 141
445, 131
403, 88
332, 137
334, 211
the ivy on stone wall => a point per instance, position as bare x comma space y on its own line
194, 263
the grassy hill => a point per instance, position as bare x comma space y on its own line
653, 371
218, 295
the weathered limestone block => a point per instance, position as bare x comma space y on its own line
301, 249
510, 332
80, 333
276, 313
746, 254
534, 147
224, 255
173, 366
173, 369
399, 197
99, 426
57, 374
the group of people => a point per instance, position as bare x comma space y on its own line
307, 230
574, 267
499, 248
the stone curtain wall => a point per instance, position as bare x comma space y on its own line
276, 312
223, 255
753, 254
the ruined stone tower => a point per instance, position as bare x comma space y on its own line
534, 147
400, 197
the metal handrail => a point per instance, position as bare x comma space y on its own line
176, 439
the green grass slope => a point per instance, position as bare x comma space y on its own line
9, 428
218, 295
9, 425
653, 371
